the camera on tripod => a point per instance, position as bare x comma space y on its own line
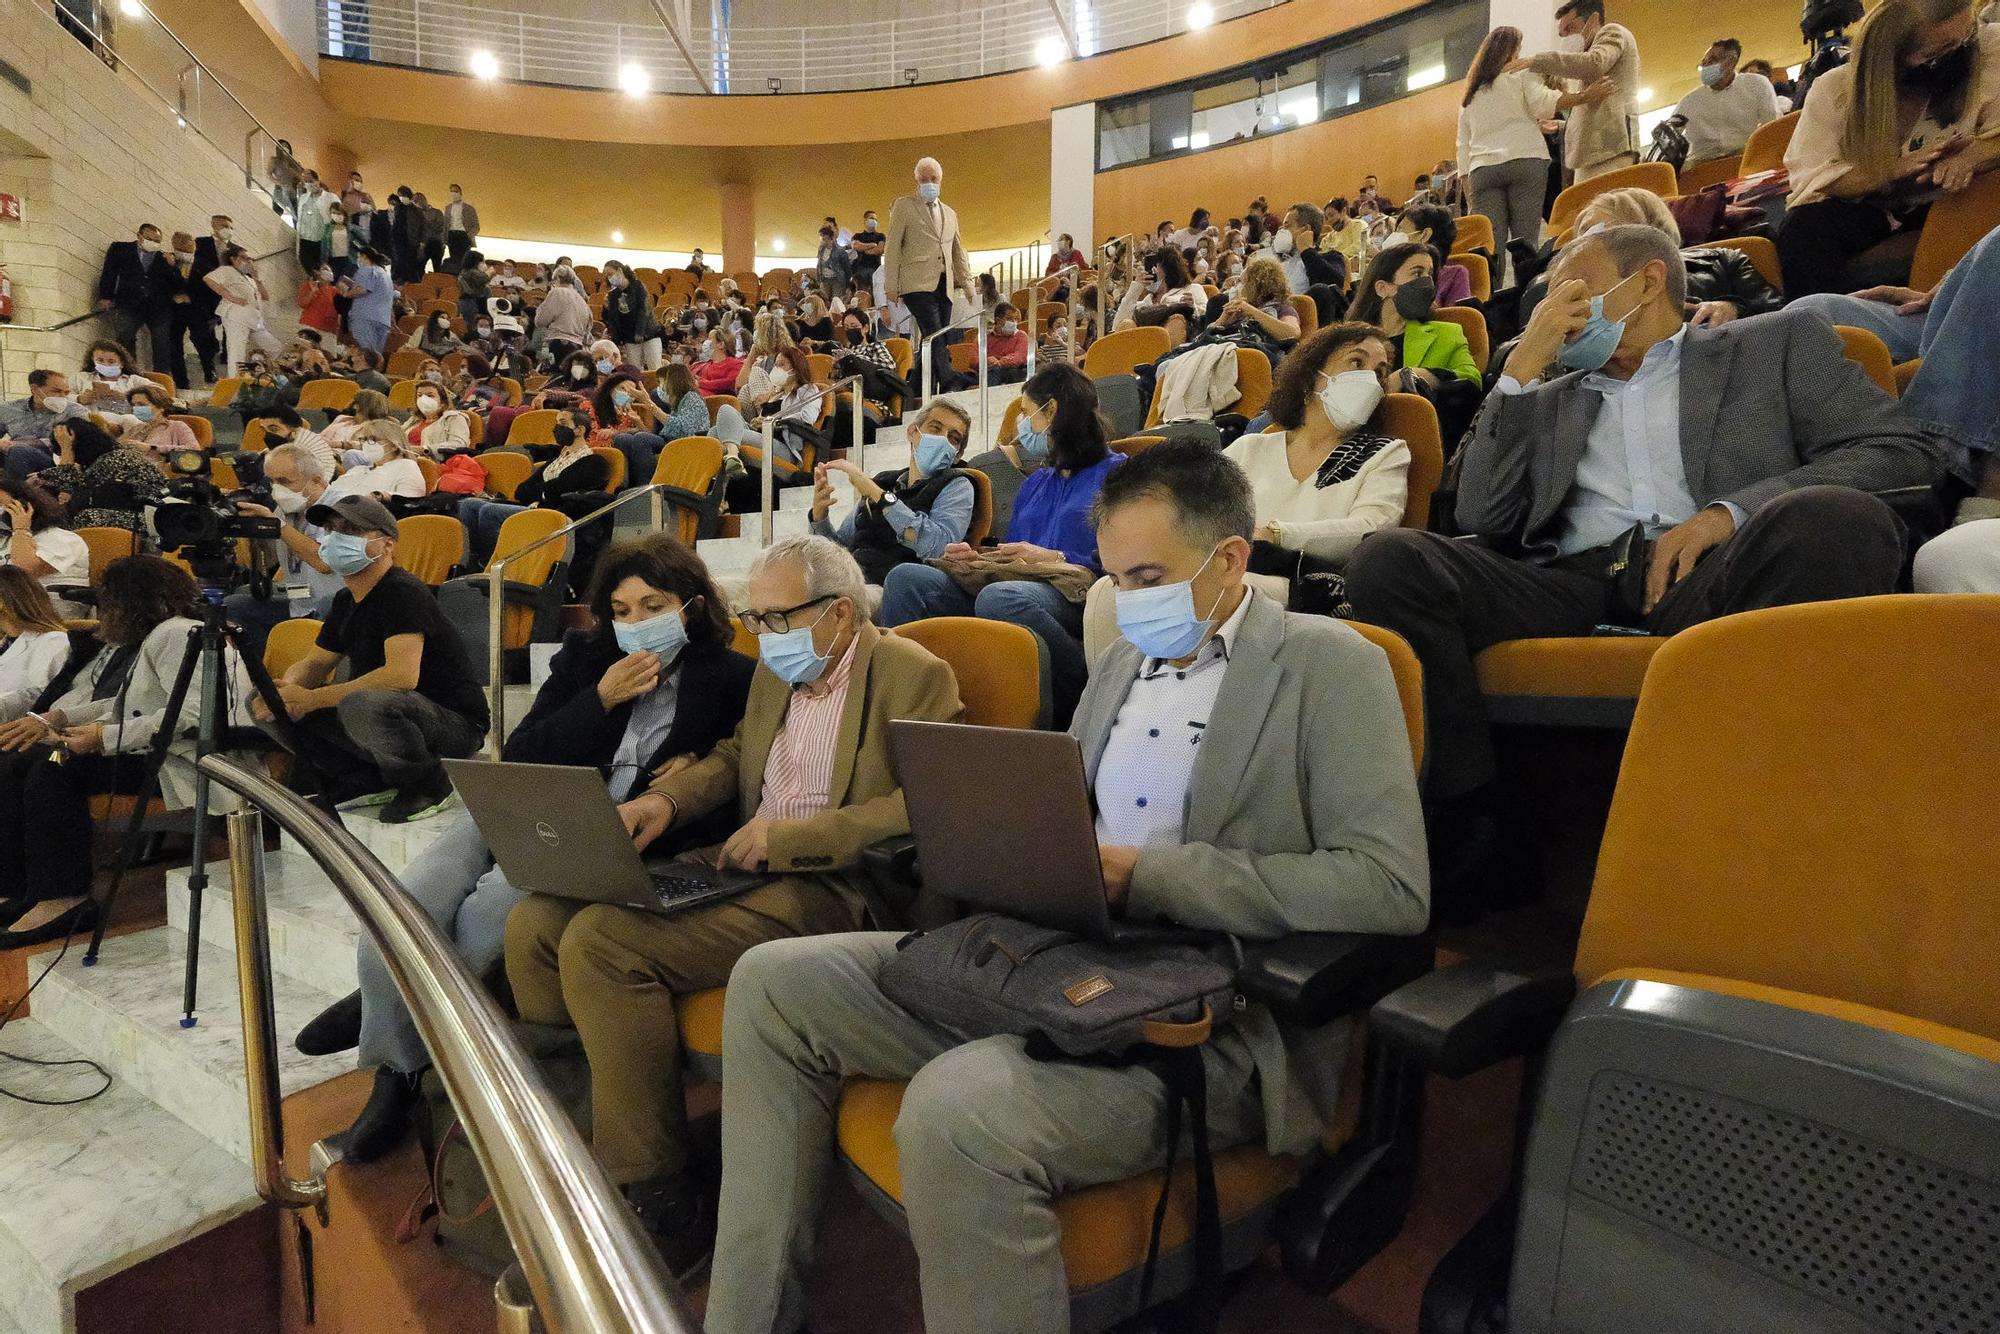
200, 520
1824, 24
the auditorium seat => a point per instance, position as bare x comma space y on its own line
1698, 176
1124, 351
506, 470
1763, 254
1473, 322
1475, 232
691, 469
1655, 176
1765, 149
1580, 682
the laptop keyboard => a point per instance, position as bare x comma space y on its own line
674, 888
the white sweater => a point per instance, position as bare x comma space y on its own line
26, 667
1362, 486
1504, 122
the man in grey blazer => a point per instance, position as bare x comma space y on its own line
1747, 453
924, 261
1257, 782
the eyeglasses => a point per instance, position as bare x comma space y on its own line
778, 622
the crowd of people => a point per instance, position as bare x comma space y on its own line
1660, 437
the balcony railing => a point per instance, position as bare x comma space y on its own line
583, 52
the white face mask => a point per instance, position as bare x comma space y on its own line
225, 233
1574, 44
371, 453
150, 247
287, 500
1350, 399
428, 405
1281, 242
56, 403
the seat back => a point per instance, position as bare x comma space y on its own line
162, 379
289, 641
716, 402
821, 366
405, 361
1133, 445
1125, 351
537, 426
518, 532
253, 437
1763, 253
1473, 323
403, 395
614, 460
1698, 176
1479, 272
1409, 674
1655, 176
1777, 825
107, 545
432, 470
1307, 312
1475, 232
515, 395
691, 463
981, 524
1765, 148
505, 471
223, 392
1411, 419
1866, 348
327, 395
1253, 382
1002, 679
428, 545
203, 428
1952, 227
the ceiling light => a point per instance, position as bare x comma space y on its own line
1050, 50
484, 65
777, 245
131, 9
1427, 77
1645, 94
1200, 14
617, 238
634, 79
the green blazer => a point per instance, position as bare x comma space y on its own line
1439, 345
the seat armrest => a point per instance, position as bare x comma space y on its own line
1313, 978
1474, 1014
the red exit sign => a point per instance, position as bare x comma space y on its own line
10, 208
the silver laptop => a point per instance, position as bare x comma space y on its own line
555, 830
1025, 845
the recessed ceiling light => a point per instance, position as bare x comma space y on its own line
1050, 50
1200, 14
634, 79
484, 65
131, 9
1645, 94
618, 238
777, 245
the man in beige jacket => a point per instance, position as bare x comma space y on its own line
924, 261
1602, 135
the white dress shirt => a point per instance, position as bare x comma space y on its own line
1148, 760
27, 665
1721, 120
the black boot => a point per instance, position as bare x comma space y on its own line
679, 1215
336, 1028
384, 1121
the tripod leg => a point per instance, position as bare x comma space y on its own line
155, 757
214, 704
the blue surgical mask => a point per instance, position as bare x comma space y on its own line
1160, 621
1033, 444
933, 454
1710, 74
621, 398
606, 366
143, 411
1600, 337
663, 636
346, 554
928, 191
791, 655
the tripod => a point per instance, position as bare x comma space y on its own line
206, 645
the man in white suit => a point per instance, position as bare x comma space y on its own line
924, 261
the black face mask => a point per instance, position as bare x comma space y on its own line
565, 436
1416, 299
1940, 74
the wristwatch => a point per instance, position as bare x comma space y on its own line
888, 499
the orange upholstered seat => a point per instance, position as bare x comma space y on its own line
1584, 682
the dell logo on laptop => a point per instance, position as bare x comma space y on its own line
547, 833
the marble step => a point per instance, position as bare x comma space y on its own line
312, 929
90, 1190
397, 845
125, 1013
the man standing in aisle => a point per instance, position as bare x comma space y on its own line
136, 289
1601, 136
924, 260
461, 229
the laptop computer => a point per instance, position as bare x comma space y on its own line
1028, 849
555, 830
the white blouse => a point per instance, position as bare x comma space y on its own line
1504, 121
26, 667
1361, 487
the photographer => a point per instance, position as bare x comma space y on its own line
298, 479
410, 700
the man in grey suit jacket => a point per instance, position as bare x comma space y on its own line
1259, 783
1747, 453
924, 261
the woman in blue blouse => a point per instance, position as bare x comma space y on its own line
675, 409
1061, 432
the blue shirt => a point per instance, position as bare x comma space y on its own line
377, 302
1054, 511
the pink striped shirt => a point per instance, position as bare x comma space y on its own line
800, 768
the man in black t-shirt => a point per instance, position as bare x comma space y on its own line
410, 698
868, 244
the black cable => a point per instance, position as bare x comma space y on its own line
8, 1018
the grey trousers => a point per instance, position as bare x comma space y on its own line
456, 882
1510, 195
986, 1141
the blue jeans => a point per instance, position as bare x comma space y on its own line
641, 450
24, 461
482, 519
918, 592
456, 882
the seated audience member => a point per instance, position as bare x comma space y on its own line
719, 367
435, 338
382, 464
1006, 347
1309, 270
285, 426
818, 711
1726, 108
40, 546
1434, 226
576, 470
1303, 767
36, 638
1731, 466
1260, 314
1780, 84
562, 320
86, 737
1369, 211
409, 699
149, 425
367, 373
1040, 574
1345, 235
28, 445
345, 431
298, 478
1912, 113
475, 286
574, 382
673, 411
1064, 255
653, 681
1005, 472
1722, 283
101, 482
608, 359
909, 514
1166, 283
107, 376
1399, 296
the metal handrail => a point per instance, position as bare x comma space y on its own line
769, 430
587, 1262
496, 577
1130, 242
981, 319
1072, 272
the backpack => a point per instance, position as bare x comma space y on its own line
1670, 143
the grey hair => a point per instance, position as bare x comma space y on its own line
1632, 247
947, 405
1641, 208
923, 162
307, 463
830, 569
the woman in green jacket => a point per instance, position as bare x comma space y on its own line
1398, 295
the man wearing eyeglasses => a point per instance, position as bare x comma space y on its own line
808, 769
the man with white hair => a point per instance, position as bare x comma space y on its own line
808, 771
924, 260
298, 476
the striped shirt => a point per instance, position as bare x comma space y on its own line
800, 768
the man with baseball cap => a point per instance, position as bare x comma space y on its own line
411, 699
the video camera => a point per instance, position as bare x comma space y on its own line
1824, 24
200, 520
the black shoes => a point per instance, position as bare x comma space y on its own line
384, 1121
336, 1028
82, 917
679, 1215
427, 796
